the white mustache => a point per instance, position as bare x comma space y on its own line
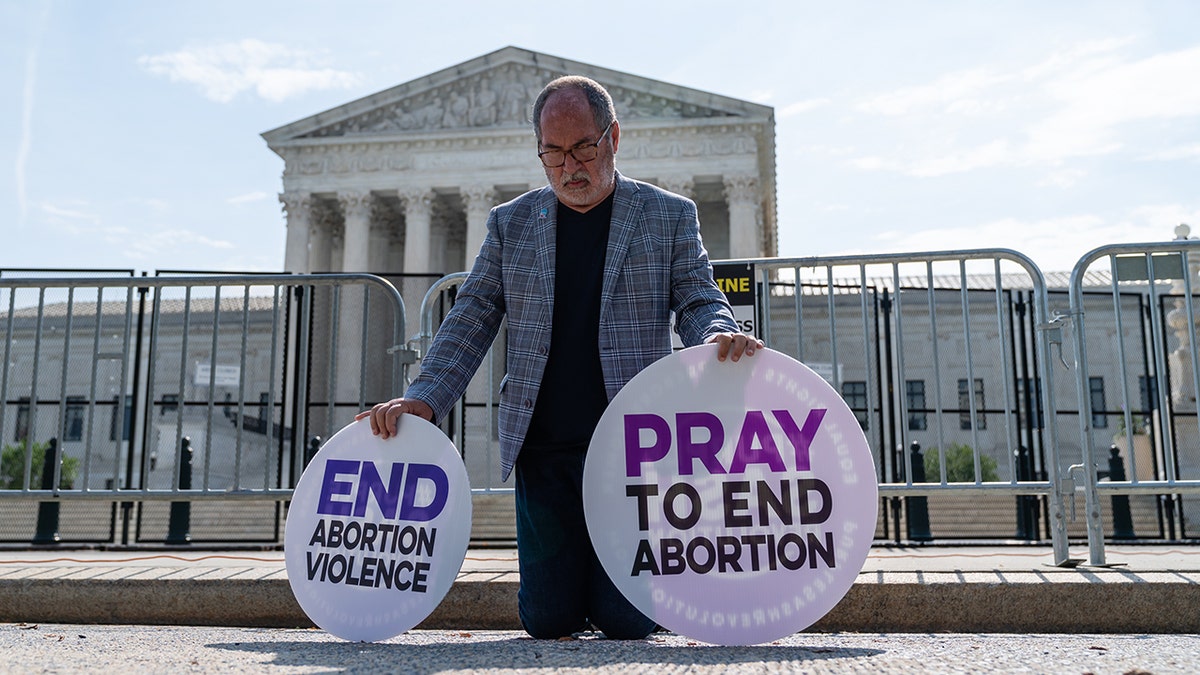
581, 175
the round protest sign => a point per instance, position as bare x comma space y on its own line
377, 530
733, 503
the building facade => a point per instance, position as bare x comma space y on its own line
401, 181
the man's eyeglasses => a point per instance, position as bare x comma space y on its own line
552, 159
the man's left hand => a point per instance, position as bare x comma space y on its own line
734, 345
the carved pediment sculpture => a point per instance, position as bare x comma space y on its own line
496, 91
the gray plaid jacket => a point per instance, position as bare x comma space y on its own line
655, 264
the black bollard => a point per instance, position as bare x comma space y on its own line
47, 519
179, 528
1122, 517
1026, 504
918, 507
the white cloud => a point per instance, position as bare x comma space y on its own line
801, 107
1096, 103
25, 142
151, 242
996, 153
69, 214
1167, 216
1075, 103
958, 92
761, 95
1054, 244
174, 244
256, 196
874, 163
95, 235
154, 204
1062, 178
1171, 154
991, 154
224, 70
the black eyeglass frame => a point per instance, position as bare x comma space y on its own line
590, 148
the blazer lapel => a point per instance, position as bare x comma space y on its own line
625, 218
545, 217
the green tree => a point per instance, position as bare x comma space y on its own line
12, 467
960, 465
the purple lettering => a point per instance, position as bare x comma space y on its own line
705, 451
370, 483
801, 439
331, 486
441, 488
635, 453
755, 427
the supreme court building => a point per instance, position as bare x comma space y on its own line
401, 181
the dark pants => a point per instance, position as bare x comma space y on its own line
563, 586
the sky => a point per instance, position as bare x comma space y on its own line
130, 131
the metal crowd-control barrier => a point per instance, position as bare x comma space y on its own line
1152, 301
889, 332
471, 425
947, 358
852, 319
123, 372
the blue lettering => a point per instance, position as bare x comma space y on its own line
331, 486
441, 489
371, 484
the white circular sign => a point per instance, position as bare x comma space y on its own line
733, 503
377, 530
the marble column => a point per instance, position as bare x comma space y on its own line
297, 206
302, 225
741, 193
477, 423
356, 239
418, 222
356, 242
418, 217
381, 233
680, 184
320, 243
478, 200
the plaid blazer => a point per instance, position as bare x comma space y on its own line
655, 264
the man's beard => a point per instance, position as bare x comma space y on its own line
580, 175
590, 191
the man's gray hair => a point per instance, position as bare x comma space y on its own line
597, 96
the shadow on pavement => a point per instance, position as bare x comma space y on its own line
466, 651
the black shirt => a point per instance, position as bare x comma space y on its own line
572, 397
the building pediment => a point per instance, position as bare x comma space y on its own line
462, 137
497, 91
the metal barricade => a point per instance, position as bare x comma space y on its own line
472, 424
111, 382
946, 351
913, 343
1148, 320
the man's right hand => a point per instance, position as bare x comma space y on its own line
384, 416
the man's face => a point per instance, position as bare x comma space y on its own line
567, 122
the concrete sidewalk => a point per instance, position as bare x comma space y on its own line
1011, 589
